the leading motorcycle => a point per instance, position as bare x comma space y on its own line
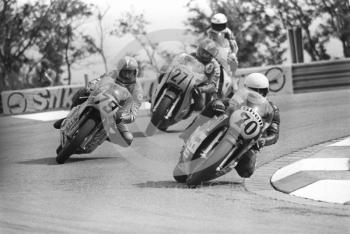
217, 146
88, 125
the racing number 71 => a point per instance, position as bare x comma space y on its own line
178, 76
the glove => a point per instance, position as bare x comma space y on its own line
259, 144
218, 106
128, 118
118, 117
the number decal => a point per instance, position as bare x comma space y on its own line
178, 76
110, 105
244, 123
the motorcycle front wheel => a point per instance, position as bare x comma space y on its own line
161, 111
78, 138
206, 170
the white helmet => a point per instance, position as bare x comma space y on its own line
257, 82
218, 22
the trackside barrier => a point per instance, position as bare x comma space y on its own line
320, 76
284, 79
48, 98
60, 97
38, 99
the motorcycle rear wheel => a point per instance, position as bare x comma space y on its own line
78, 138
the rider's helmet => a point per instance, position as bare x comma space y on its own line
127, 70
206, 50
218, 22
257, 82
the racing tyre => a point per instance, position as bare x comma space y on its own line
75, 143
159, 114
206, 170
178, 175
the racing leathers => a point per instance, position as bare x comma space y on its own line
129, 112
210, 86
225, 39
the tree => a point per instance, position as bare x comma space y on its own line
135, 24
98, 47
68, 16
47, 29
258, 32
260, 26
337, 14
334, 17
296, 13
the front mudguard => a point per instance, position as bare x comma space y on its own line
202, 132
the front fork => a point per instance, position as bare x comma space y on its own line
170, 112
91, 136
229, 162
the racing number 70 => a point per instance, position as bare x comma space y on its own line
251, 125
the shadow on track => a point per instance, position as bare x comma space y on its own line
140, 134
173, 184
52, 160
160, 184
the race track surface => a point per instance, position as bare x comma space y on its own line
116, 190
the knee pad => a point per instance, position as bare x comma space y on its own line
244, 173
128, 137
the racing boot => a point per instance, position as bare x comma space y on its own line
125, 133
58, 123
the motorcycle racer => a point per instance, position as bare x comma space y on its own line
125, 75
258, 83
224, 37
205, 54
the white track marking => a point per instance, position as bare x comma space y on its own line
312, 164
334, 191
44, 116
55, 115
345, 142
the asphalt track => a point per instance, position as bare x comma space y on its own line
117, 190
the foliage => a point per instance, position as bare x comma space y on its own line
97, 46
259, 34
260, 26
49, 30
132, 23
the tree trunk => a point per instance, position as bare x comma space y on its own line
67, 56
346, 48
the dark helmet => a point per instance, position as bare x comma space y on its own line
218, 22
206, 50
127, 70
